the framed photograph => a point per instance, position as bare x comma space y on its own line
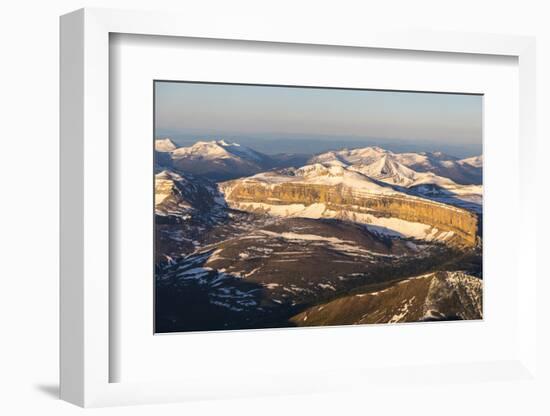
307, 220
271, 212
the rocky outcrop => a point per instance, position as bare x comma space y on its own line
431, 297
462, 223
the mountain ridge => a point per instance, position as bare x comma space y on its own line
462, 171
430, 297
220, 159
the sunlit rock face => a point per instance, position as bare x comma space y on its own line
317, 191
429, 297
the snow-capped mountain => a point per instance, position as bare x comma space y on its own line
217, 149
312, 176
364, 155
220, 159
333, 175
465, 172
217, 159
460, 171
475, 161
164, 145
385, 167
388, 169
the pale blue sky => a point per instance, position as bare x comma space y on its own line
423, 121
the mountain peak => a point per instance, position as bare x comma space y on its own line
218, 159
164, 145
204, 150
377, 149
365, 155
474, 161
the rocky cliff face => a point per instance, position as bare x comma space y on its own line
185, 206
355, 205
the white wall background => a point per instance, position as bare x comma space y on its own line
29, 206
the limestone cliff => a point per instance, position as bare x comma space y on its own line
356, 205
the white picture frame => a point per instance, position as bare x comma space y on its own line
85, 217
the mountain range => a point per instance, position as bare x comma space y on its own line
249, 240
216, 158
220, 160
409, 167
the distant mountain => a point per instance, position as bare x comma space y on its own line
164, 145
364, 156
440, 164
424, 174
465, 172
476, 161
217, 160
220, 160
388, 169
430, 297
218, 149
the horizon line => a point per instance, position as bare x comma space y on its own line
344, 147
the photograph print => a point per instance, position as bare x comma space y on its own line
287, 206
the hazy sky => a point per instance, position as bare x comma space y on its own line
423, 121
